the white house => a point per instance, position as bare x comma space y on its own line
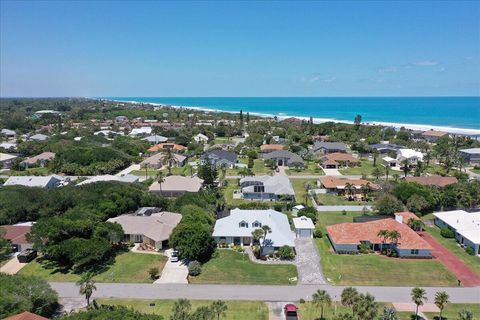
38, 137
200, 138
46, 182
304, 227
7, 133
237, 228
269, 188
465, 225
410, 155
129, 178
138, 132
389, 162
297, 208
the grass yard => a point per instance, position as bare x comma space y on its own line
452, 309
452, 245
477, 171
128, 267
334, 200
308, 311
237, 310
231, 267
259, 168
365, 168
223, 140
299, 188
311, 169
373, 269
39, 171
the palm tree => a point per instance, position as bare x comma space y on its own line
349, 190
365, 189
415, 224
387, 172
169, 159
376, 172
223, 169
375, 156
465, 315
406, 167
266, 230
389, 314
418, 297
394, 236
322, 299
87, 285
219, 307
384, 234
160, 179
307, 188
145, 166
181, 310
257, 234
441, 299
365, 307
349, 297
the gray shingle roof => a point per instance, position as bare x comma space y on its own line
337, 146
277, 184
216, 155
292, 157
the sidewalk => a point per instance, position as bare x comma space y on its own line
12, 266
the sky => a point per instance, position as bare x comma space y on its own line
240, 49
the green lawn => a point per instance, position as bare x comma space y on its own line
308, 311
334, 200
223, 140
311, 169
373, 269
231, 267
451, 311
28, 172
365, 168
259, 168
299, 188
452, 245
128, 267
237, 310
477, 171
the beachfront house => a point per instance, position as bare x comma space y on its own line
269, 188
237, 228
465, 225
433, 135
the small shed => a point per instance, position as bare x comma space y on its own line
304, 227
389, 162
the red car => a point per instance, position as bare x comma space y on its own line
290, 311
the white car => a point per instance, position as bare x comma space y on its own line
174, 256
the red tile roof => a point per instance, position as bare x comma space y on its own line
437, 181
434, 133
353, 233
162, 146
271, 147
339, 156
331, 182
26, 316
16, 234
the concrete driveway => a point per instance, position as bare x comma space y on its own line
331, 172
12, 266
308, 262
173, 272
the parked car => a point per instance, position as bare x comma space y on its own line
174, 256
290, 311
27, 255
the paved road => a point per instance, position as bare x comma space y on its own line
252, 292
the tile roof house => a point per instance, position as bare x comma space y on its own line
271, 188
175, 186
165, 146
337, 160
159, 160
338, 185
321, 148
434, 180
471, 156
405, 216
220, 157
465, 225
154, 229
433, 135
42, 159
238, 226
46, 182
25, 315
346, 237
285, 158
16, 235
266, 148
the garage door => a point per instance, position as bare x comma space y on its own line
304, 233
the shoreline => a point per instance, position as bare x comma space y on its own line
281, 116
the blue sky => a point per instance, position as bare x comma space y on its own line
108, 48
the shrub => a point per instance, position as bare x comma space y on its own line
447, 233
194, 268
238, 248
153, 272
318, 232
302, 301
286, 253
470, 251
364, 248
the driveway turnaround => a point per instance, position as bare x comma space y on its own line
308, 262
253, 292
173, 272
452, 262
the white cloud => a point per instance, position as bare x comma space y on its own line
388, 69
426, 63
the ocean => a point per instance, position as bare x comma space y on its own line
454, 114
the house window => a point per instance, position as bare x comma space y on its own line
414, 251
243, 224
258, 188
